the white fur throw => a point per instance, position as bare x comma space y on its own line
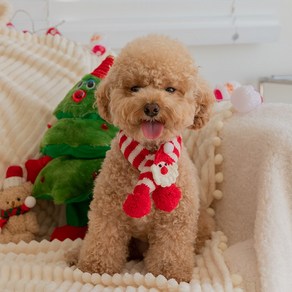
255, 190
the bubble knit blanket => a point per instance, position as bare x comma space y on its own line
41, 266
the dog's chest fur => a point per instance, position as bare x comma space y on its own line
140, 226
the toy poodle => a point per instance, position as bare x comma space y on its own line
148, 187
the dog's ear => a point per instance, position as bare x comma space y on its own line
102, 95
204, 99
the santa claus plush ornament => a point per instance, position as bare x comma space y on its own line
164, 168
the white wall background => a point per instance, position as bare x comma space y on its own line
245, 63
248, 63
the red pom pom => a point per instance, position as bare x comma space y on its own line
167, 198
164, 170
137, 205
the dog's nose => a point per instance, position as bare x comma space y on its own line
151, 109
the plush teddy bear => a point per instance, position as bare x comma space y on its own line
17, 222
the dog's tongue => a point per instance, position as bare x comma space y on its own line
152, 130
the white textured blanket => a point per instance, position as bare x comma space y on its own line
254, 180
42, 267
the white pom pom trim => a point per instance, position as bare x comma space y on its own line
218, 159
217, 194
219, 125
236, 279
211, 212
223, 246
30, 201
216, 141
219, 177
168, 147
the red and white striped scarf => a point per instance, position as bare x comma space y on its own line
158, 173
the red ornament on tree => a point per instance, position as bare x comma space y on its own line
98, 50
53, 31
10, 25
104, 126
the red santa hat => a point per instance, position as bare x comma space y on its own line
102, 70
14, 177
164, 154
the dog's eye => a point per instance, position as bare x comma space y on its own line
170, 89
18, 199
135, 88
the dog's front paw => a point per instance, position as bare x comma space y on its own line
181, 271
101, 266
72, 255
88, 266
137, 205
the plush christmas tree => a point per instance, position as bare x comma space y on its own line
77, 142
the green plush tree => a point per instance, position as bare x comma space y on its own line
77, 142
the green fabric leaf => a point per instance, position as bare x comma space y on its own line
82, 151
79, 138
64, 179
